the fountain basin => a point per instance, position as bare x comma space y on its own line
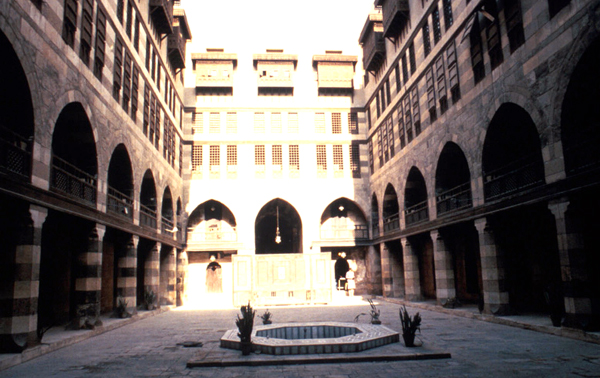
313, 338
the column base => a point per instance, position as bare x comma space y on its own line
586, 322
13, 343
497, 309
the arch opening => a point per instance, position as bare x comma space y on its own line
415, 198
120, 183
278, 215
391, 209
452, 180
148, 201
343, 219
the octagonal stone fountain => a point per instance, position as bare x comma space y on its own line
313, 338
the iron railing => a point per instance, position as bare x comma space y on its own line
454, 199
15, 153
72, 181
147, 217
513, 177
416, 213
119, 203
358, 232
391, 223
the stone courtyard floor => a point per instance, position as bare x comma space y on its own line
152, 345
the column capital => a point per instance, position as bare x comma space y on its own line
559, 206
481, 224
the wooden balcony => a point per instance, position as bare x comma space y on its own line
335, 70
161, 12
358, 232
73, 182
373, 43
416, 214
176, 48
396, 15
15, 153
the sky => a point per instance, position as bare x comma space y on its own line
250, 27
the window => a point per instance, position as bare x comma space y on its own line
156, 122
476, 52
85, 45
493, 35
148, 53
197, 123
407, 118
448, 20
129, 22
196, 157
390, 134
259, 123
380, 146
411, 55
416, 113
437, 29
146, 120
231, 155
554, 6
353, 123
293, 123
431, 104
118, 68
336, 123
215, 157
398, 81
426, 41
277, 154
441, 84
231, 123
134, 92
514, 24
294, 157
100, 40
136, 34
400, 118
384, 138
120, 10
70, 22
214, 126
259, 155
355, 160
338, 158
126, 82
321, 157
453, 73
405, 69
371, 164
320, 123
276, 123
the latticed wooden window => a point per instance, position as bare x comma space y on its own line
398, 80
231, 123
156, 122
100, 42
259, 154
85, 44
448, 18
453, 72
514, 24
416, 113
147, 119
118, 69
492, 32
294, 153
259, 122
126, 82
231, 155
371, 164
70, 22
277, 154
431, 104
196, 157
336, 123
321, 157
355, 160
405, 74
413, 59
129, 22
380, 145
390, 134
214, 126
437, 28
441, 84
426, 40
476, 52
407, 118
276, 123
353, 123
400, 118
136, 34
320, 123
293, 127
197, 123
338, 158
120, 10
215, 156
134, 91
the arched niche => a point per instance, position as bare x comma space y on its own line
120, 183
415, 198
391, 219
343, 219
278, 218
148, 216
212, 221
452, 180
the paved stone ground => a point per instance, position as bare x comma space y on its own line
149, 348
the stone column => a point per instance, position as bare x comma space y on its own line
386, 270
374, 278
574, 272
444, 269
88, 281
412, 279
127, 275
18, 318
495, 295
182, 262
167, 277
152, 270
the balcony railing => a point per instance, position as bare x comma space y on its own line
396, 14
147, 217
119, 203
15, 153
161, 12
583, 156
391, 223
166, 225
513, 177
208, 236
176, 48
375, 229
72, 181
358, 232
454, 199
416, 213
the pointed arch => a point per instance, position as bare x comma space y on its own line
278, 218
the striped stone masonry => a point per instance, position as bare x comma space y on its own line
386, 270
127, 275
152, 270
444, 269
88, 282
167, 276
18, 315
412, 283
182, 263
575, 279
495, 295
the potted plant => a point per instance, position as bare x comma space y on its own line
266, 317
121, 309
149, 299
245, 324
374, 313
409, 326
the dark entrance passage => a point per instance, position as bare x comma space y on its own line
463, 242
278, 228
341, 268
214, 278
